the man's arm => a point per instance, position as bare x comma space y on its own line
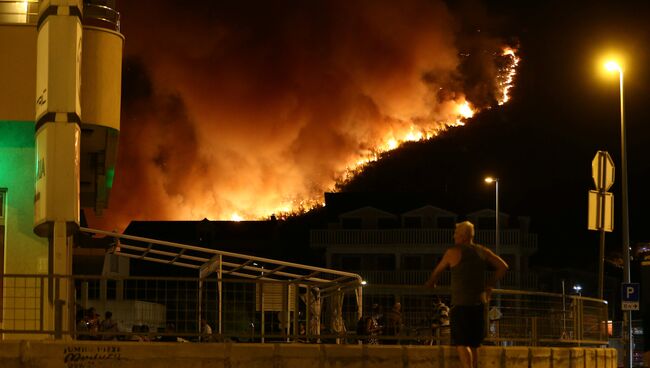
442, 266
500, 267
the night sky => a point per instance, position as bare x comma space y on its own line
263, 103
541, 143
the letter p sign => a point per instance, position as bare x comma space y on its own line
630, 296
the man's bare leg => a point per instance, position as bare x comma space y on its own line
465, 355
474, 357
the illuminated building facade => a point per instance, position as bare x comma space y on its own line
59, 124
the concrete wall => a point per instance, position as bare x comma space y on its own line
18, 72
49, 354
24, 252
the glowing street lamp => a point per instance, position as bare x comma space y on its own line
613, 66
491, 180
577, 289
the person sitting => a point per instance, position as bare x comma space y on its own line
206, 331
393, 323
168, 335
109, 326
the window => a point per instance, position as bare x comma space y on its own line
446, 222
486, 223
385, 262
351, 223
411, 222
387, 223
351, 263
412, 263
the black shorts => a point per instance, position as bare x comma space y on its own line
467, 325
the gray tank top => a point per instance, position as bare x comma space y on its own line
468, 276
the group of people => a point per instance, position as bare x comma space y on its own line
375, 324
470, 293
90, 327
390, 326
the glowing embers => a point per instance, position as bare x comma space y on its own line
459, 111
465, 110
507, 73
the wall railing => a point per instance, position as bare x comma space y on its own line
172, 309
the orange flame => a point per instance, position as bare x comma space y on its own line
452, 111
507, 74
463, 111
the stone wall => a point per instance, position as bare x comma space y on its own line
76, 354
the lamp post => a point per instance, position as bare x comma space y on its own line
627, 315
491, 180
578, 289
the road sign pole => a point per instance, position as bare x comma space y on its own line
602, 167
601, 264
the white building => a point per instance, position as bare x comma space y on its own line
402, 248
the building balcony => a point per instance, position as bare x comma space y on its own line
510, 239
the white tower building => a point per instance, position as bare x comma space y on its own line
59, 126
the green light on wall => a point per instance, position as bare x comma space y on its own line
16, 134
110, 175
15, 138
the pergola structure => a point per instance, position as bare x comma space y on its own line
281, 279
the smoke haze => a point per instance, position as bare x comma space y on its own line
248, 108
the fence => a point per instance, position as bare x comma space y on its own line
511, 280
262, 311
509, 239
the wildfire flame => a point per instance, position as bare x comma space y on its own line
452, 109
393, 140
464, 110
507, 74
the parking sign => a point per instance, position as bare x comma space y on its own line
630, 296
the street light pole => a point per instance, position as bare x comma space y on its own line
496, 225
490, 180
627, 315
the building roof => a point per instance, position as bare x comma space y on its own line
429, 210
366, 212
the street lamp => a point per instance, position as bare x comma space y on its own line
491, 180
613, 66
577, 289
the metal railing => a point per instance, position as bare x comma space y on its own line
96, 12
171, 309
511, 280
514, 317
510, 239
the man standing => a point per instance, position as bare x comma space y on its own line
470, 291
393, 323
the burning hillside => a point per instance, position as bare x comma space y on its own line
242, 110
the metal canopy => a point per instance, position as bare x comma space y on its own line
208, 261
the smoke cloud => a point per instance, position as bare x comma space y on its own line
248, 108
